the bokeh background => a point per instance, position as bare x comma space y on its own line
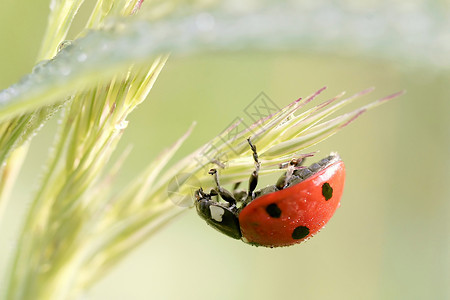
389, 240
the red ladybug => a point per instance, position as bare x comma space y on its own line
289, 212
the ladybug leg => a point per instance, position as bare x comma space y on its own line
213, 193
225, 194
253, 181
238, 194
286, 177
236, 186
299, 162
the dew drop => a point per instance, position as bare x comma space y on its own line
24, 80
82, 57
64, 44
3, 96
39, 66
65, 70
122, 125
104, 46
12, 91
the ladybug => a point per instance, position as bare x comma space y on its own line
291, 211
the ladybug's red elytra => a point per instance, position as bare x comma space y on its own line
294, 209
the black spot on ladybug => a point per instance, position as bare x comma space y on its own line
300, 232
273, 210
327, 191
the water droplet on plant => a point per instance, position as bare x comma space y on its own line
82, 57
3, 96
12, 91
24, 80
122, 125
39, 66
65, 70
64, 44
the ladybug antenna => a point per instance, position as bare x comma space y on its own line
199, 194
253, 147
224, 194
253, 181
236, 185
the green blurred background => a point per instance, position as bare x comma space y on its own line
389, 240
